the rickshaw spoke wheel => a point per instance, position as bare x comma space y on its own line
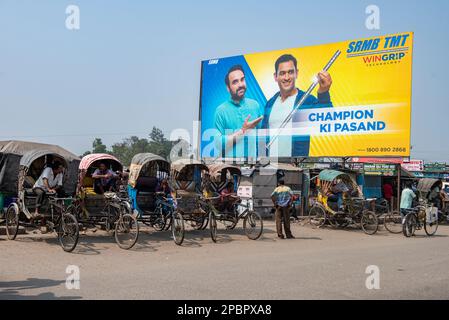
430, 228
68, 233
160, 222
409, 226
126, 231
12, 221
230, 225
317, 216
177, 228
213, 226
369, 222
393, 222
253, 225
168, 221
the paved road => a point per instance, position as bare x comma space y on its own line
319, 264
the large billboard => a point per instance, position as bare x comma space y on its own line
345, 99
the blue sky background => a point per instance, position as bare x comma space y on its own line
136, 64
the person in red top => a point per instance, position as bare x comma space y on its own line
388, 192
227, 198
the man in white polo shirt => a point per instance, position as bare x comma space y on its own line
50, 181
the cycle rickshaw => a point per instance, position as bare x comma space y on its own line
110, 210
153, 208
23, 171
187, 176
229, 208
353, 210
425, 215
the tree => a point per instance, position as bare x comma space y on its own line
98, 146
159, 144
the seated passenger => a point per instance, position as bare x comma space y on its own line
50, 181
165, 188
104, 179
227, 198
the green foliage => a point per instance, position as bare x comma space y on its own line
125, 150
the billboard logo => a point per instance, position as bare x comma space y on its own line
213, 61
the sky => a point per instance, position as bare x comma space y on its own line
135, 64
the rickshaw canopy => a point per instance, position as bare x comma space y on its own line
17, 156
331, 175
149, 162
29, 157
88, 160
217, 171
426, 184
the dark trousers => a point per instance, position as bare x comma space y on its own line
42, 195
100, 188
283, 213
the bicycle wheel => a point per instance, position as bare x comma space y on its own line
393, 222
198, 222
318, 216
177, 228
409, 226
12, 221
68, 233
338, 220
430, 228
253, 225
369, 222
126, 231
213, 226
230, 224
168, 220
159, 224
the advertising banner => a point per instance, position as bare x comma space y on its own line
379, 169
346, 99
413, 165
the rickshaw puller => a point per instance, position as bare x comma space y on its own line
104, 179
50, 181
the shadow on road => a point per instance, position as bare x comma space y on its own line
11, 290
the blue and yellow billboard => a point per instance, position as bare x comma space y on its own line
345, 99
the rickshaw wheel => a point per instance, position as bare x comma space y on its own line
369, 222
430, 228
68, 233
168, 221
199, 223
126, 231
177, 228
338, 220
213, 226
318, 216
409, 226
253, 225
393, 222
230, 225
160, 220
12, 221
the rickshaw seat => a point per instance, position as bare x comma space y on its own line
88, 182
146, 184
29, 192
29, 182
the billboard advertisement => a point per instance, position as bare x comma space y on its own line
346, 99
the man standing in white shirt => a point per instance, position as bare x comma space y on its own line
50, 181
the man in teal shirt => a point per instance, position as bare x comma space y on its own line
407, 197
235, 117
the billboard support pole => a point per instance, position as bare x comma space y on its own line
399, 188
